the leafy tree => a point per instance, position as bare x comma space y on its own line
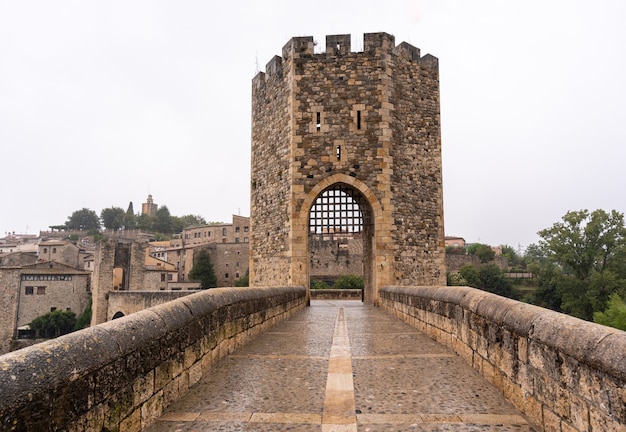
83, 219
512, 257
202, 269
535, 257
548, 293
614, 315
584, 242
492, 279
113, 218
145, 222
54, 324
349, 282
163, 221
470, 274
130, 220
485, 253
191, 220
489, 278
590, 250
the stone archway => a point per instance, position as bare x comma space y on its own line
375, 238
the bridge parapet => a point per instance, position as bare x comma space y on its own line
562, 372
120, 375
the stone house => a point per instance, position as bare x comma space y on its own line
29, 291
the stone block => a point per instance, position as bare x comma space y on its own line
143, 389
152, 409
132, 423
551, 421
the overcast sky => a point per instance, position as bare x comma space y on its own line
103, 102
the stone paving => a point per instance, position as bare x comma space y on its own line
342, 366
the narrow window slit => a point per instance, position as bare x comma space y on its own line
319, 121
358, 120
338, 152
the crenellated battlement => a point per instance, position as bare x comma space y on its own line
374, 44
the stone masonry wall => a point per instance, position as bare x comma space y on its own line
122, 374
369, 120
565, 374
128, 302
9, 289
335, 257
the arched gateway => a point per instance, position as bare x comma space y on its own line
348, 141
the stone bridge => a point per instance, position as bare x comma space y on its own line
342, 143
462, 359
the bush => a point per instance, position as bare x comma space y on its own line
318, 284
54, 324
349, 282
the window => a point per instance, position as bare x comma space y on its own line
237, 229
30, 290
41, 290
226, 275
52, 309
45, 250
169, 277
162, 277
338, 152
245, 239
54, 250
318, 121
223, 231
358, 120
245, 229
237, 264
237, 240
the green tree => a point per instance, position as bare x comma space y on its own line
163, 221
83, 219
485, 253
130, 220
145, 222
492, 279
54, 324
470, 274
614, 315
113, 218
512, 257
202, 269
590, 250
584, 242
349, 282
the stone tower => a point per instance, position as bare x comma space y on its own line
348, 141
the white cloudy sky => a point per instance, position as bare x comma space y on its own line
103, 102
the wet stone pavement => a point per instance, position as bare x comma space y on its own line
342, 366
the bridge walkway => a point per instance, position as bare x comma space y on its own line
342, 366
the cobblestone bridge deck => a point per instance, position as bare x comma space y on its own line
342, 366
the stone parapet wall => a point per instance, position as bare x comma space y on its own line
122, 374
128, 302
563, 373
